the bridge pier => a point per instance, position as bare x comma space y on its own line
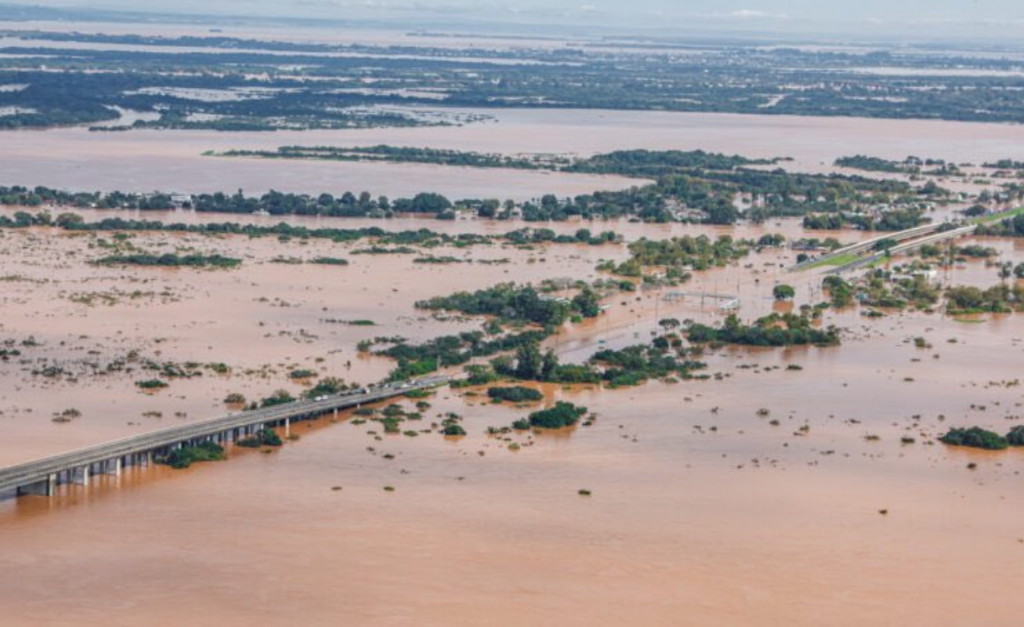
79, 476
111, 467
45, 475
46, 487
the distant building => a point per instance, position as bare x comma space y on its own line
181, 201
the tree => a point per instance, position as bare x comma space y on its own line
670, 323
529, 361
548, 366
587, 303
723, 212
784, 292
885, 245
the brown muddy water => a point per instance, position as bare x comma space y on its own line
703, 512
74, 158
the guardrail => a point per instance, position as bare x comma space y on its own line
42, 475
867, 244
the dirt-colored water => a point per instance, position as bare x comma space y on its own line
173, 161
702, 511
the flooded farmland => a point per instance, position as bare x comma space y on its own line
702, 504
795, 485
148, 160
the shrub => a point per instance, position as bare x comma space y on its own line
279, 397
561, 415
783, 292
515, 394
266, 437
186, 456
454, 430
1016, 436
151, 384
975, 437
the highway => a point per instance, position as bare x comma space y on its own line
867, 245
43, 475
906, 247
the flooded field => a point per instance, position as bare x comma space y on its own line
797, 487
769, 497
147, 160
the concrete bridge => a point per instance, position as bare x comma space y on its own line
909, 240
42, 476
868, 244
907, 247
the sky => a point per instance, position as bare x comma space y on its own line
966, 18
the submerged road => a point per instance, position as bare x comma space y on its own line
42, 476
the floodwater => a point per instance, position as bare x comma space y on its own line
145, 161
74, 158
702, 512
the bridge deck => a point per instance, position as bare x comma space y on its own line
25, 474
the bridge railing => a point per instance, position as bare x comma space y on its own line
20, 474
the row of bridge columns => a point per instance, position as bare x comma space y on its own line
81, 475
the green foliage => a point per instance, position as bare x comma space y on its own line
453, 430
996, 299
840, 292
265, 437
170, 260
898, 219
514, 303
774, 330
560, 416
480, 375
515, 394
186, 456
1016, 436
151, 384
329, 261
635, 364
784, 292
975, 437
452, 350
680, 255
280, 397
874, 164
328, 386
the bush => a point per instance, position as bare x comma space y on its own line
266, 437
561, 415
975, 437
783, 292
515, 394
151, 384
454, 430
279, 398
1016, 436
186, 456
